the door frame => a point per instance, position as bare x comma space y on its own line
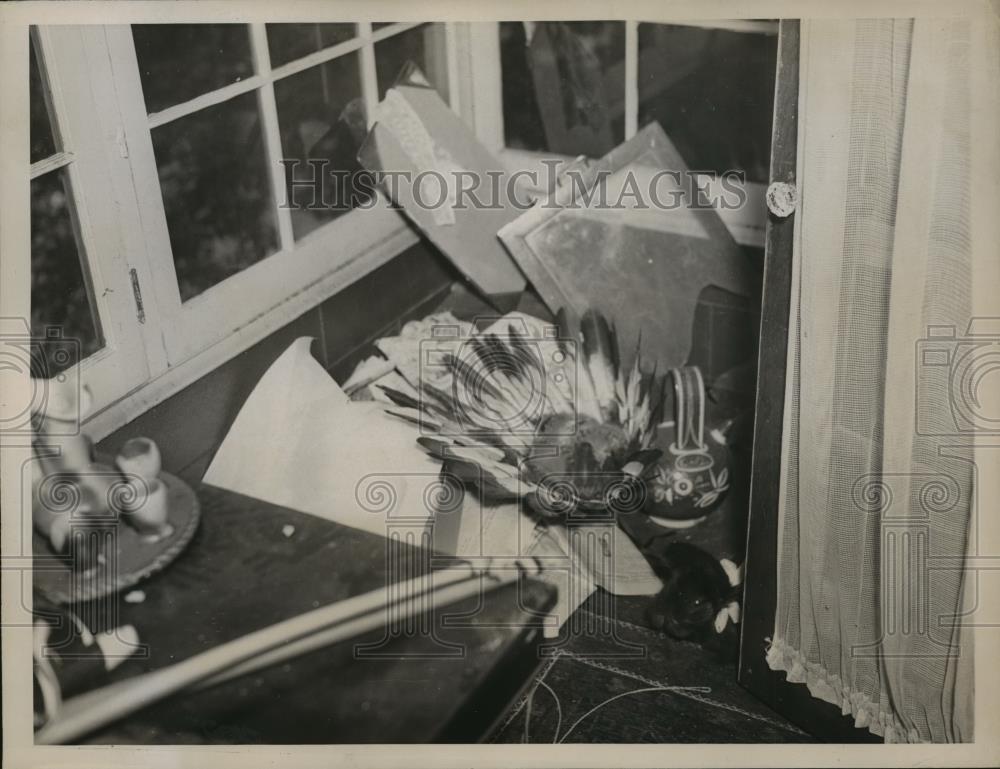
792, 700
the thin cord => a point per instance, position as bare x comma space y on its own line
612, 699
526, 737
555, 736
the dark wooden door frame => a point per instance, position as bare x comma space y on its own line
791, 700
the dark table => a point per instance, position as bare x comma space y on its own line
242, 572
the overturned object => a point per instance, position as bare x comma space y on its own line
427, 155
634, 236
543, 415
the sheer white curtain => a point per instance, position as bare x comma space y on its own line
879, 464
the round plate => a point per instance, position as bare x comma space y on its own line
135, 559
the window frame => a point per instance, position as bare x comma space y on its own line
124, 226
204, 320
71, 94
745, 224
127, 249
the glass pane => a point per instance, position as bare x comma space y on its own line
712, 91
287, 42
563, 86
43, 143
61, 308
216, 192
424, 46
380, 24
321, 116
180, 61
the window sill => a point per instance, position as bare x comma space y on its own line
176, 378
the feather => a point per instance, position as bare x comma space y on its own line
523, 353
600, 352
400, 398
495, 488
565, 334
472, 380
447, 451
494, 453
501, 353
418, 418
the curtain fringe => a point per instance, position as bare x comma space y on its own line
830, 688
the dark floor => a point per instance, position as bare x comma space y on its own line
612, 678
591, 690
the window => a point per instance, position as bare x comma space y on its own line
167, 233
224, 243
81, 299
61, 289
581, 88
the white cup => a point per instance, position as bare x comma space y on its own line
141, 457
147, 512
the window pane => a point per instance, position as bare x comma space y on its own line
564, 86
61, 307
178, 62
712, 91
43, 143
287, 42
216, 192
424, 46
380, 24
321, 116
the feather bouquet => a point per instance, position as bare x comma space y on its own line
547, 415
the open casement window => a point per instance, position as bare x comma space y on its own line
81, 284
223, 245
162, 182
164, 159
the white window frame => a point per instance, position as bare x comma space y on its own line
206, 319
129, 247
123, 225
72, 91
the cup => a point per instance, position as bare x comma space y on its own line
141, 457
147, 511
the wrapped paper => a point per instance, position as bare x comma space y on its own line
300, 443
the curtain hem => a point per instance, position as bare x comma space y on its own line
830, 688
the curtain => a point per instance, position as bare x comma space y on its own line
884, 376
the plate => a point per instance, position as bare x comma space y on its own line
132, 558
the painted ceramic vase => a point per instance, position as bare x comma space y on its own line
692, 477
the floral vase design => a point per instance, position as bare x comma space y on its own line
691, 479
